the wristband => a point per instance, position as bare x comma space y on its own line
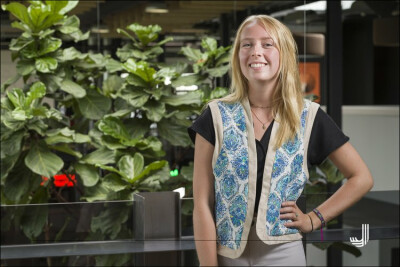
322, 221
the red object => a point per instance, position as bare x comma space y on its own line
61, 180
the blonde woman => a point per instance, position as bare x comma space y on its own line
252, 153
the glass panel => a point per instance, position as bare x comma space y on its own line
66, 222
186, 217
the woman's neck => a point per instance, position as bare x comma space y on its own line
260, 94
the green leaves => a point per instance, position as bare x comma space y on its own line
19, 11
73, 88
43, 162
145, 34
94, 105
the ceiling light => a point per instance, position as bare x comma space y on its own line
321, 5
157, 7
100, 29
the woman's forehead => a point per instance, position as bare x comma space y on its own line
254, 30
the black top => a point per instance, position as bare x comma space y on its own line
325, 138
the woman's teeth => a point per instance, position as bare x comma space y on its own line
257, 65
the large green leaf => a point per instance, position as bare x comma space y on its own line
100, 156
145, 34
70, 25
218, 71
141, 69
188, 80
94, 105
7, 164
18, 182
112, 85
19, 43
73, 88
154, 166
109, 221
187, 171
61, 7
191, 53
25, 67
12, 145
37, 90
95, 193
35, 217
114, 182
175, 134
42, 161
150, 142
209, 44
131, 167
136, 127
219, 92
114, 127
17, 97
189, 98
19, 11
88, 174
46, 64
134, 96
113, 65
66, 149
154, 110
42, 17
48, 45
71, 53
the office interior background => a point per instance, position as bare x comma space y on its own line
349, 57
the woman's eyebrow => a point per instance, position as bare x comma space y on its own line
250, 39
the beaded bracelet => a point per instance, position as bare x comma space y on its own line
322, 221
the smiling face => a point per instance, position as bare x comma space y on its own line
258, 54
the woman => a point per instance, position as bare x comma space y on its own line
245, 191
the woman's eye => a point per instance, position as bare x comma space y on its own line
268, 44
246, 45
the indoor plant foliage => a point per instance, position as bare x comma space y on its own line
36, 138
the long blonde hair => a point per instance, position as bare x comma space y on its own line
287, 99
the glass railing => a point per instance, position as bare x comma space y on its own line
69, 232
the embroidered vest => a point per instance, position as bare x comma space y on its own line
235, 170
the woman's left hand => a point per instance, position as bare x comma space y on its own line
290, 211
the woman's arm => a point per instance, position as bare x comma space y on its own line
359, 182
203, 195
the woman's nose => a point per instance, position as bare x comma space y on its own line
256, 51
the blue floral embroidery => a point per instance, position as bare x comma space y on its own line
224, 232
292, 145
237, 211
241, 165
279, 165
297, 164
221, 163
273, 212
220, 208
288, 178
239, 122
231, 140
231, 173
229, 186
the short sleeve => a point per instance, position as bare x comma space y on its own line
325, 138
203, 125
